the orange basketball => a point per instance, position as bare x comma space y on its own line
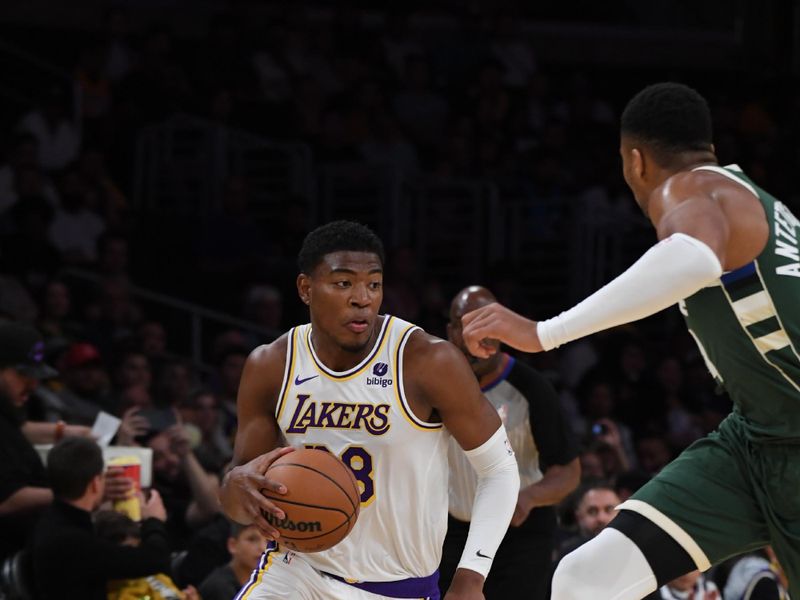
321, 504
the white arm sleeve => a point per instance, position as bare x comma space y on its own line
495, 501
673, 269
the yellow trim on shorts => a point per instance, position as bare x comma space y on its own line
270, 554
675, 531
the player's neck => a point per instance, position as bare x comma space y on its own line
337, 358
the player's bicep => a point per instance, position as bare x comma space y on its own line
699, 217
465, 412
257, 428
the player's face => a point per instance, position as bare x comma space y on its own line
344, 293
596, 510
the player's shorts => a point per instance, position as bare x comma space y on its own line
727, 494
287, 576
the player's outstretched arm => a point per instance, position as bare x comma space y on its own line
694, 236
257, 438
438, 376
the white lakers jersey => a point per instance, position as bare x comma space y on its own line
514, 411
399, 461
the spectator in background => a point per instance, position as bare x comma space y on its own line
86, 385
245, 544
67, 558
189, 492
263, 305
24, 490
57, 132
75, 228
594, 504
108, 201
55, 320
229, 371
598, 402
120, 530
22, 164
653, 452
753, 576
174, 383
692, 586
422, 110
152, 338
213, 449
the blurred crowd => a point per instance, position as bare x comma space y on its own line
476, 102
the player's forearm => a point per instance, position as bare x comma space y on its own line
25, 499
495, 501
557, 483
669, 272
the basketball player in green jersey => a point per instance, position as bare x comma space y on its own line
728, 255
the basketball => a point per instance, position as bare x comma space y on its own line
322, 500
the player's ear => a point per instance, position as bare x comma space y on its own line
304, 288
638, 167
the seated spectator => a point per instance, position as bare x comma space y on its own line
58, 134
121, 530
189, 492
753, 576
23, 483
594, 506
67, 558
202, 411
245, 543
86, 384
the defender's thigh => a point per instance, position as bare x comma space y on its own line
705, 500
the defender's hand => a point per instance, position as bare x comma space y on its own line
495, 321
246, 483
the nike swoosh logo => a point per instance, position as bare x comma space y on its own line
482, 555
298, 381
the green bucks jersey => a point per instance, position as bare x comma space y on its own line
747, 325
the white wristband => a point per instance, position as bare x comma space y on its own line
670, 271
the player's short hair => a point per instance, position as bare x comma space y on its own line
337, 236
71, 465
670, 118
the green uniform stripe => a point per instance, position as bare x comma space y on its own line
744, 287
764, 327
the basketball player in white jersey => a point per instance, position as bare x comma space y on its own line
385, 397
549, 469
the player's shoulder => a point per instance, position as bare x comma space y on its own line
422, 347
698, 183
271, 357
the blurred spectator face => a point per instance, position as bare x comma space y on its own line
83, 371
135, 370
114, 256
264, 306
136, 395
175, 383
600, 401
591, 465
206, 414
247, 547
56, 300
153, 338
231, 371
166, 462
670, 374
653, 453
16, 386
633, 360
595, 510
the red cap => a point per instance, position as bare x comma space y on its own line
79, 355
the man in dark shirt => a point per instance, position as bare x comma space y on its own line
245, 544
68, 560
23, 483
548, 463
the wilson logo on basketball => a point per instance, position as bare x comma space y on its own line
288, 525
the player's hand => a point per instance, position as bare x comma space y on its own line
495, 321
247, 484
466, 585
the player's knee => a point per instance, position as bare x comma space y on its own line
567, 581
